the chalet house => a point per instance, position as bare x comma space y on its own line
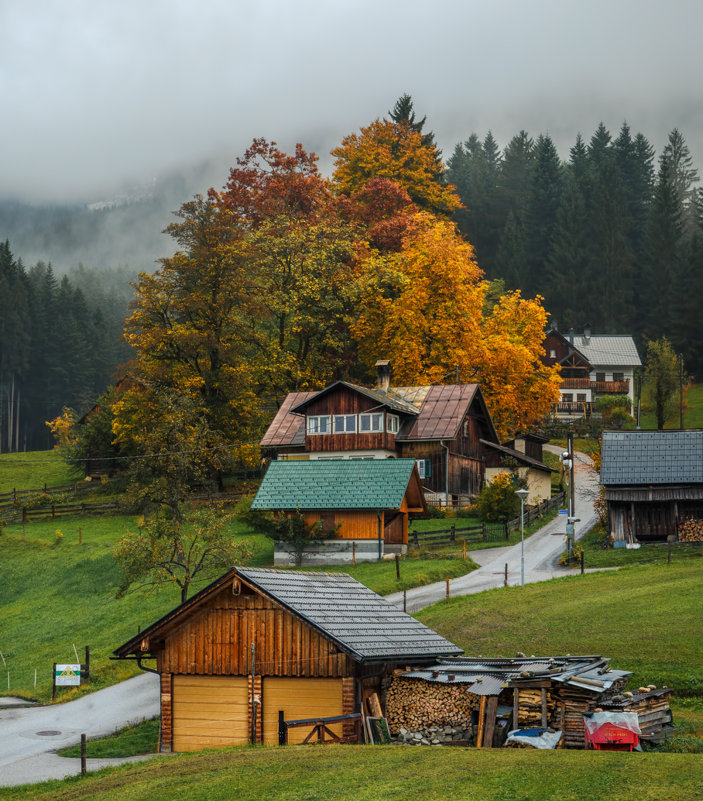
591, 366
523, 456
441, 427
653, 484
258, 642
366, 502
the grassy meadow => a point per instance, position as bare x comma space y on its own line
35, 470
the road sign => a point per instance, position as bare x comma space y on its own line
563, 512
67, 675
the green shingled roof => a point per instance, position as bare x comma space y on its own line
335, 484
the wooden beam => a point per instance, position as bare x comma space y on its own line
544, 708
491, 710
481, 721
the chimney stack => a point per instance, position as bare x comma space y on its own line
383, 372
587, 333
571, 336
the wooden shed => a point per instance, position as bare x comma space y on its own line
369, 499
258, 642
653, 484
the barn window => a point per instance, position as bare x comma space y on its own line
319, 424
392, 424
344, 423
371, 422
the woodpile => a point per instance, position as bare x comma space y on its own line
691, 530
414, 704
529, 712
652, 708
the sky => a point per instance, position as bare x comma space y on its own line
100, 95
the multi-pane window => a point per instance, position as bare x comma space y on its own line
424, 467
371, 422
618, 376
567, 397
319, 424
600, 376
344, 423
581, 397
392, 423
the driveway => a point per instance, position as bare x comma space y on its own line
542, 551
29, 736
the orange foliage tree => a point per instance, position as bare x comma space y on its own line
424, 307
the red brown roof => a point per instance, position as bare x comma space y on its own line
287, 428
441, 413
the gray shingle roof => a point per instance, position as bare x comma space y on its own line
335, 484
652, 457
351, 614
604, 351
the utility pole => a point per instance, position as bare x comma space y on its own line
568, 462
681, 391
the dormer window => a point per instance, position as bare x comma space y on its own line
344, 423
392, 423
320, 424
371, 423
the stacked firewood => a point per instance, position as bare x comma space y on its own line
652, 708
530, 708
691, 530
413, 704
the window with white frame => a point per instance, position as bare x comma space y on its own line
424, 467
344, 423
319, 424
371, 422
392, 423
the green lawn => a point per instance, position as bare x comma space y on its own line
692, 413
596, 556
140, 738
647, 618
33, 470
391, 773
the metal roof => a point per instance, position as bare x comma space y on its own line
351, 614
652, 457
287, 428
519, 456
359, 621
443, 409
608, 351
335, 484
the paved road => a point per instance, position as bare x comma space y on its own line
26, 755
542, 550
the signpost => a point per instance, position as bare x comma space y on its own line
66, 676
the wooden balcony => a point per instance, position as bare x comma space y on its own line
603, 387
578, 409
612, 387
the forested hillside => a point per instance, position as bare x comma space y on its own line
610, 237
59, 345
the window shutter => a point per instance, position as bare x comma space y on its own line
428, 468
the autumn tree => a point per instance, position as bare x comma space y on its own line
424, 308
165, 551
661, 379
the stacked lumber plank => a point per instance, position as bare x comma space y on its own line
414, 704
575, 702
691, 530
652, 708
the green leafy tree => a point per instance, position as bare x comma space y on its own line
497, 501
167, 551
661, 379
299, 535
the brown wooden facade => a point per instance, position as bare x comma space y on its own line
236, 659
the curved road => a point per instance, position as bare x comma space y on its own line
542, 550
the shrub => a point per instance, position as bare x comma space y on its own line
497, 501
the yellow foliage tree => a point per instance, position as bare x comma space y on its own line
424, 308
394, 151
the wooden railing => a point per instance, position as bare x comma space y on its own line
576, 383
320, 728
613, 387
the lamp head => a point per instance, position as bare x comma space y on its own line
522, 494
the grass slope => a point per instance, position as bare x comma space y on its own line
692, 413
390, 773
33, 470
648, 619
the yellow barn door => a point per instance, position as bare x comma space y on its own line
209, 712
300, 699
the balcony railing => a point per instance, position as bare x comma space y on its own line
614, 387
580, 408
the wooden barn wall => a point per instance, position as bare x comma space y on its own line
465, 474
355, 525
217, 641
346, 401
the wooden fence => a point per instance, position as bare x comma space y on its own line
484, 533
77, 488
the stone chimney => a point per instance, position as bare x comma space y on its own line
587, 333
383, 373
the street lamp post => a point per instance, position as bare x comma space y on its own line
522, 494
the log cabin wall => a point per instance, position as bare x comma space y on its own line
345, 401
353, 525
217, 641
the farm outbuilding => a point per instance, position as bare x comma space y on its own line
365, 501
259, 642
653, 484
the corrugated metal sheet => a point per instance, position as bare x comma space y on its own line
652, 457
608, 351
350, 613
335, 484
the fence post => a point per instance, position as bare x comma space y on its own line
405, 600
397, 567
582, 563
447, 587
80, 536
282, 729
483, 532
452, 533
507, 530
354, 552
505, 580
83, 750
464, 549
53, 511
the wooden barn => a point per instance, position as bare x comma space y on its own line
653, 484
365, 501
258, 642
